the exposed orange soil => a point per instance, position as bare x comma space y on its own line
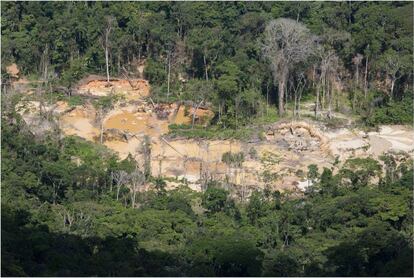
127, 121
191, 159
139, 89
202, 115
13, 70
180, 117
61, 106
80, 122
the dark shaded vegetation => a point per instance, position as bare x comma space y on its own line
64, 213
62, 218
212, 52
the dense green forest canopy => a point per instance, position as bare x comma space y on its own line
66, 210
365, 46
62, 218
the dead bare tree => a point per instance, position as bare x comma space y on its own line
329, 67
328, 73
366, 74
195, 108
286, 44
170, 58
103, 106
109, 22
137, 179
333, 76
44, 63
120, 177
297, 85
126, 74
357, 60
199, 92
145, 150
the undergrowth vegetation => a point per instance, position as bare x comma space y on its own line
66, 213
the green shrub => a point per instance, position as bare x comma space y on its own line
76, 100
234, 159
400, 112
155, 72
211, 132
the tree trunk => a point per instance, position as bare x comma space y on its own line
236, 106
160, 166
294, 105
102, 128
54, 194
119, 62
107, 61
323, 92
281, 96
267, 99
205, 66
313, 76
46, 67
392, 87
286, 95
194, 113
366, 78
169, 74
219, 119
357, 75
317, 100
299, 98
134, 196
329, 100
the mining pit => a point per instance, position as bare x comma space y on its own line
279, 161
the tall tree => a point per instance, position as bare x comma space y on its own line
109, 22
286, 44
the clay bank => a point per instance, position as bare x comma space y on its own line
278, 160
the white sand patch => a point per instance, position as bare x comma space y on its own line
379, 145
350, 144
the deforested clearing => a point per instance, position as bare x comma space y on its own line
207, 139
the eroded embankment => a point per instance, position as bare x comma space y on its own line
279, 161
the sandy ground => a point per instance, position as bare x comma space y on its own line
193, 159
181, 117
389, 138
133, 90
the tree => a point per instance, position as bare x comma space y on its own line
228, 86
360, 171
214, 199
297, 85
234, 257
104, 105
121, 178
282, 265
286, 44
395, 65
205, 42
160, 185
137, 179
109, 22
198, 91
312, 173
256, 208
145, 150
357, 60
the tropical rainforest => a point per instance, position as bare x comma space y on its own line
60, 217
